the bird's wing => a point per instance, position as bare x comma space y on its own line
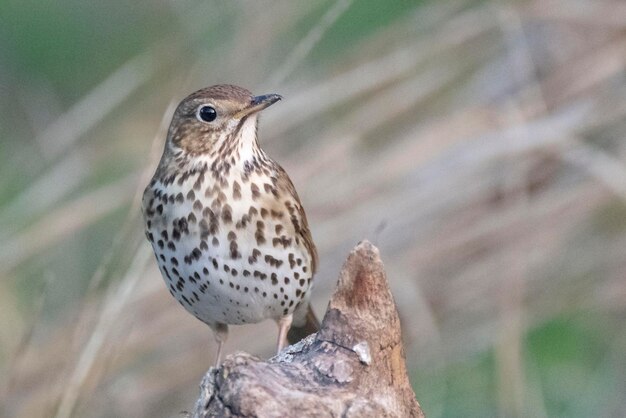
296, 213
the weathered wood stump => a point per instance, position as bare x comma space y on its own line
353, 367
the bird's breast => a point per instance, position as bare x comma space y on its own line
226, 245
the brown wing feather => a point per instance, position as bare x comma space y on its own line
301, 225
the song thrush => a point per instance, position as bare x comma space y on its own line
227, 227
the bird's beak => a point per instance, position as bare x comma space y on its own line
257, 104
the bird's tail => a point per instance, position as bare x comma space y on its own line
308, 327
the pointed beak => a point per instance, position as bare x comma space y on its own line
257, 104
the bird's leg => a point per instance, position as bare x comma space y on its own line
218, 357
284, 324
221, 334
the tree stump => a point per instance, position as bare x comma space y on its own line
353, 367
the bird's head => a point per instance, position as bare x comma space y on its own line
215, 119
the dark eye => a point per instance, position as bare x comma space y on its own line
207, 113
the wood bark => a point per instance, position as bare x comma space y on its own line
353, 367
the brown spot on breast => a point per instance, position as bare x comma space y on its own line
243, 222
270, 189
260, 238
236, 190
234, 253
227, 215
213, 223
198, 184
292, 261
273, 261
255, 191
183, 226
204, 229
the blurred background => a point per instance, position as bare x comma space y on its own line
479, 144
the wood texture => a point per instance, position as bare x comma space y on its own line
353, 367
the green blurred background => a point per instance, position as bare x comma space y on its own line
481, 145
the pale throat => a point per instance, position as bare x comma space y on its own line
248, 142
245, 148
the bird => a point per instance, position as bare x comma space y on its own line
229, 232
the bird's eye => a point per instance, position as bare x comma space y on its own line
207, 113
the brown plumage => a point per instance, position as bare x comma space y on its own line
226, 224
